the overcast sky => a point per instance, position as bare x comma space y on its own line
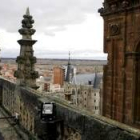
61, 26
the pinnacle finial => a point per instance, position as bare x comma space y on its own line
27, 11
69, 55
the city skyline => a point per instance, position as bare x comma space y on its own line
60, 27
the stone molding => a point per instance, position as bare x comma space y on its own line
111, 7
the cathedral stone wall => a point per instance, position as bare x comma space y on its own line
78, 124
121, 93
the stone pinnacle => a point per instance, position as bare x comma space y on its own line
27, 11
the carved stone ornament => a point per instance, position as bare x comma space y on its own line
34, 74
33, 59
27, 25
125, 3
114, 29
70, 134
18, 74
20, 59
113, 7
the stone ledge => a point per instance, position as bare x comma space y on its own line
86, 123
82, 120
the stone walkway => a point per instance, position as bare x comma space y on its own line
7, 132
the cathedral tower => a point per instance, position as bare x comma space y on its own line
26, 74
122, 74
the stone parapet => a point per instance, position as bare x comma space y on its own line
78, 124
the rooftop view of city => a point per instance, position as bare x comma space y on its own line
70, 70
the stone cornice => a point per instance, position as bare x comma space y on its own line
115, 8
27, 42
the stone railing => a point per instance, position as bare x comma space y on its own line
75, 124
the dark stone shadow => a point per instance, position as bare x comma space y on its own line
1, 137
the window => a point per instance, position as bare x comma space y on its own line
89, 82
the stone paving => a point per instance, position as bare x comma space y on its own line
7, 131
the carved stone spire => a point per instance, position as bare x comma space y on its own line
26, 75
26, 31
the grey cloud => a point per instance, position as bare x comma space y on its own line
51, 32
13, 52
46, 13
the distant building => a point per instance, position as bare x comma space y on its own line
58, 76
44, 83
7, 71
40, 83
70, 71
85, 91
87, 79
55, 88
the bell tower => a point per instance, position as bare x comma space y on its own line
26, 74
121, 89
